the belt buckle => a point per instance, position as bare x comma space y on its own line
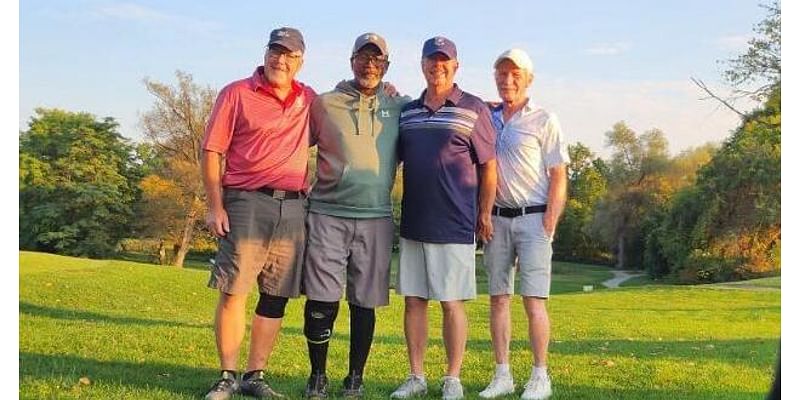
279, 194
522, 211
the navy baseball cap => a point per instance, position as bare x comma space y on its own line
287, 37
439, 44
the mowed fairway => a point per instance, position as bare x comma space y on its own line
139, 331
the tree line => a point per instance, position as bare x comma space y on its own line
710, 213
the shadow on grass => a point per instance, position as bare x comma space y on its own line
745, 351
741, 350
192, 261
594, 393
79, 315
182, 380
192, 382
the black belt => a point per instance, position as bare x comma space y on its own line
516, 212
280, 194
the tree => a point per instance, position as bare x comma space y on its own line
587, 184
173, 194
635, 189
727, 226
77, 178
761, 63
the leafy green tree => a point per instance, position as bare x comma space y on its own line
730, 220
761, 63
727, 225
587, 184
77, 178
664, 236
636, 187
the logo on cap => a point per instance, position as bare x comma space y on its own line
439, 41
282, 33
370, 37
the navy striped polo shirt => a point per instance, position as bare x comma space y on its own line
440, 151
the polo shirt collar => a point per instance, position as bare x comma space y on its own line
452, 99
258, 81
527, 109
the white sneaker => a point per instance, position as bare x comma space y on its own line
452, 389
500, 386
537, 388
413, 386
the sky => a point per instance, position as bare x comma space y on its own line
596, 62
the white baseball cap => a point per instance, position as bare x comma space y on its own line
519, 57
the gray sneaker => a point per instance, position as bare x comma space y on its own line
256, 386
413, 386
224, 388
452, 389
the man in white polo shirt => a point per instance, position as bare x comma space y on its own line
531, 193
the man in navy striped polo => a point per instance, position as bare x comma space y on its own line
447, 146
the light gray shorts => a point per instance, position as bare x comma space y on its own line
266, 244
357, 251
436, 271
519, 243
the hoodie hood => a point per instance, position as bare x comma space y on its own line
366, 107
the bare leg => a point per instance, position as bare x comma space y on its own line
416, 331
263, 336
500, 320
538, 328
454, 332
229, 328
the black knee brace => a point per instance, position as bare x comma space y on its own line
319, 318
270, 306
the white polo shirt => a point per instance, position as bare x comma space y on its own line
527, 145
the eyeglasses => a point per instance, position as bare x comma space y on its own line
364, 59
275, 54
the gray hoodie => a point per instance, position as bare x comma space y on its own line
356, 137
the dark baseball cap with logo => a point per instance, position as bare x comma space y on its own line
287, 37
371, 38
439, 44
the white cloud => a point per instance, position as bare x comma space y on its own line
145, 15
608, 49
587, 108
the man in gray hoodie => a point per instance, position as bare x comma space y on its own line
350, 228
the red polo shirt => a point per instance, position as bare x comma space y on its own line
265, 140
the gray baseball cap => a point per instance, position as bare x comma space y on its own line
287, 37
371, 38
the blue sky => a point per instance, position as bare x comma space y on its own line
596, 62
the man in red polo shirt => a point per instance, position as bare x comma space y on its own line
255, 157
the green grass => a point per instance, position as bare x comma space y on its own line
139, 331
763, 283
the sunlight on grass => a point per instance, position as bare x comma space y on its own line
139, 331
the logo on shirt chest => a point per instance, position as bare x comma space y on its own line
385, 114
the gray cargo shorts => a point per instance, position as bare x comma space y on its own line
519, 242
355, 253
266, 244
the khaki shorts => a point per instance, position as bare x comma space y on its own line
265, 245
436, 271
351, 252
519, 242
